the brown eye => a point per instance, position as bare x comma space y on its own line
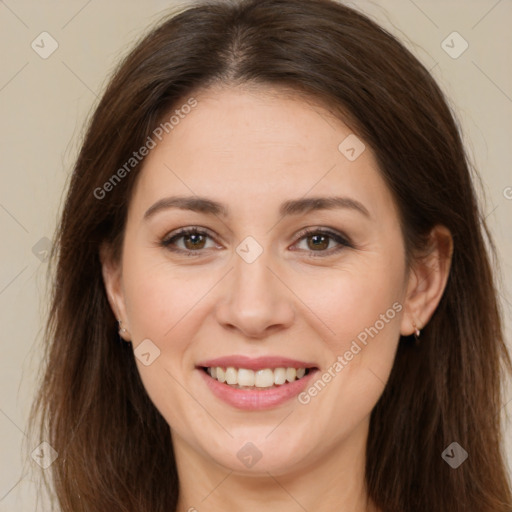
319, 241
194, 241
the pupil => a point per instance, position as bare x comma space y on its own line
196, 240
323, 244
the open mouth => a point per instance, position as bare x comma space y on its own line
263, 379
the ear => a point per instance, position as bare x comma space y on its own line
112, 278
427, 281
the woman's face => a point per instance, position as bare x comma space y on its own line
254, 291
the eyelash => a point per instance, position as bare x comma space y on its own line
341, 240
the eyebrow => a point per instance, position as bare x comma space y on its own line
291, 207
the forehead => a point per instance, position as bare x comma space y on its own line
242, 145
239, 121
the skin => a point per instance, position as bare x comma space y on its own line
252, 149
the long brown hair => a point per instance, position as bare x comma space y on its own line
115, 451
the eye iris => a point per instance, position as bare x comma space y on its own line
197, 238
324, 241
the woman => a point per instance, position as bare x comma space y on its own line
272, 286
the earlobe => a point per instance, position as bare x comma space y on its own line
112, 280
427, 282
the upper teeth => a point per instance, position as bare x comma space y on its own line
264, 378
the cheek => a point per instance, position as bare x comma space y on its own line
363, 306
160, 297
359, 301
163, 305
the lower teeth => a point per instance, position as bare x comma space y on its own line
236, 386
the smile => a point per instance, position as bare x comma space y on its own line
244, 378
256, 383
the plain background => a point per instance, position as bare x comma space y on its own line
45, 102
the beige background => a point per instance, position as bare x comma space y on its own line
44, 102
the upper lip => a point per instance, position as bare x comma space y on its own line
255, 363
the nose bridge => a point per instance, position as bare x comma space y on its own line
252, 279
256, 299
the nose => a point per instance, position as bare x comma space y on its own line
255, 300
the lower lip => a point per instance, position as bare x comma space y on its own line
257, 399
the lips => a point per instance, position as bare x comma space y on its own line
256, 383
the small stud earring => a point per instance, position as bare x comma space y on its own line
417, 332
122, 330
